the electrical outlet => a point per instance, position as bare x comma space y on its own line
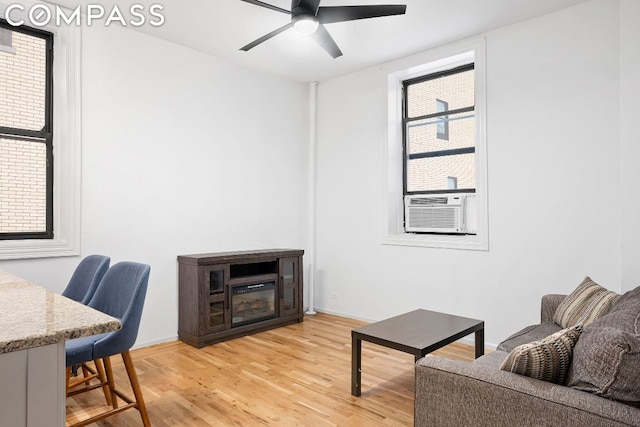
334, 295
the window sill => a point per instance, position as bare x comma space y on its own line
13, 249
443, 241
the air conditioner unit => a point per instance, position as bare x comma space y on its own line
440, 213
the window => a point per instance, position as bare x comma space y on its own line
6, 41
436, 144
439, 140
443, 122
452, 183
6, 37
39, 141
26, 136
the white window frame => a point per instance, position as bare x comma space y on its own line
66, 148
430, 62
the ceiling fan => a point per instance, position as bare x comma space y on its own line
307, 17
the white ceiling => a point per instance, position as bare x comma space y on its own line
221, 27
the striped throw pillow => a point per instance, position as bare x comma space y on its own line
548, 359
585, 304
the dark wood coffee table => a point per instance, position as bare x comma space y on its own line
418, 332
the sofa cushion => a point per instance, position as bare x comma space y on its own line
528, 334
606, 362
548, 359
491, 361
586, 303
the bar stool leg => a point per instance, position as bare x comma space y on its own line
135, 385
110, 382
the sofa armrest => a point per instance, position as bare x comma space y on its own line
548, 307
455, 393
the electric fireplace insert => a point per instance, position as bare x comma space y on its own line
253, 303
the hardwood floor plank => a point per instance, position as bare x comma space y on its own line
297, 375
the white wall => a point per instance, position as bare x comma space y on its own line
181, 153
554, 182
629, 140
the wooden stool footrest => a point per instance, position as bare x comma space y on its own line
103, 415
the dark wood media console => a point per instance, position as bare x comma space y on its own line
230, 294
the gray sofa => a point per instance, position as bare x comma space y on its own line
455, 393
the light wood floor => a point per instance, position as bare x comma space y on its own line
298, 375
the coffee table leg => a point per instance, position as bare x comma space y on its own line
479, 343
356, 362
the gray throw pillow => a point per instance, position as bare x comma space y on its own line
606, 362
623, 313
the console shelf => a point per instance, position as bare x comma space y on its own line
230, 294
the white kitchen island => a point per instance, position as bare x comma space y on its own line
34, 325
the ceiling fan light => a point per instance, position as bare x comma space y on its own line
306, 25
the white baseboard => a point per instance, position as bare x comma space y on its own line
468, 340
154, 342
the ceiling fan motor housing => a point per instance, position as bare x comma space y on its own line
307, 17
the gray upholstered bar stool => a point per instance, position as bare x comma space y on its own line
81, 287
121, 294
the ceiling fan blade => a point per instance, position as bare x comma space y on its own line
330, 14
266, 37
268, 6
310, 5
324, 39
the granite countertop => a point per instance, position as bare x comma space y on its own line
32, 316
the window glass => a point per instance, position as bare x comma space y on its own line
439, 133
26, 145
23, 183
422, 134
432, 174
23, 77
457, 90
